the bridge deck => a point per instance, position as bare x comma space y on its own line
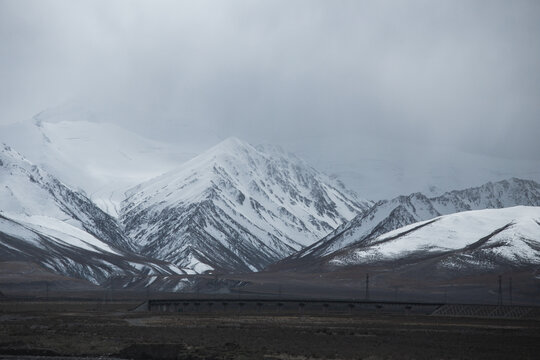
284, 305
333, 306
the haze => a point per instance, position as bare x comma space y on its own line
353, 86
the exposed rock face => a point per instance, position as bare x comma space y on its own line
388, 215
45, 222
236, 208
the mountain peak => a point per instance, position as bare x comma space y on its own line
230, 144
232, 149
233, 141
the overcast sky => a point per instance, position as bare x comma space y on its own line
459, 73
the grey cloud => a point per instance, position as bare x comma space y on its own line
460, 74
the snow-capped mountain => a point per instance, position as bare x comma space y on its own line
30, 194
471, 240
236, 208
387, 215
44, 221
85, 152
66, 250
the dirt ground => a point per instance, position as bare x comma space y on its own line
95, 329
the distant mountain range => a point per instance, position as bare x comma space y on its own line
388, 215
241, 208
90, 200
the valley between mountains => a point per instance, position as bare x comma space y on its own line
79, 210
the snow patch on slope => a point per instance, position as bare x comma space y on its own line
511, 233
63, 232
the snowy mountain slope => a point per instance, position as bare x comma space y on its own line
380, 218
69, 251
236, 208
100, 158
28, 193
388, 215
44, 221
479, 239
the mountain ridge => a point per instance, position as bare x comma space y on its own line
474, 240
43, 221
255, 193
387, 215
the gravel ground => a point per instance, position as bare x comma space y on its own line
93, 330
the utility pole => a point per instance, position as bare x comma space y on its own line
499, 300
510, 289
367, 286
